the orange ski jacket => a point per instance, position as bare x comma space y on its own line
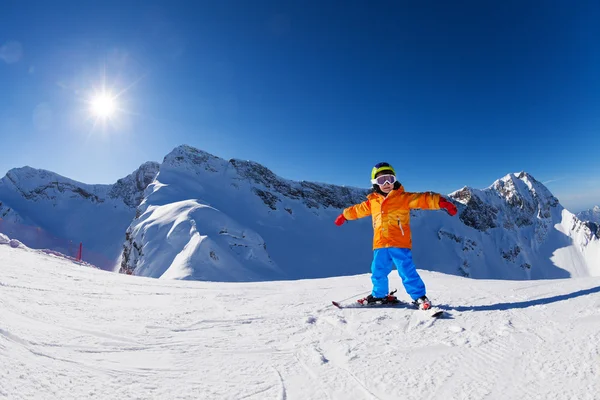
391, 215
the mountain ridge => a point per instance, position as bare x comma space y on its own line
44, 209
199, 216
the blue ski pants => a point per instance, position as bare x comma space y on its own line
383, 263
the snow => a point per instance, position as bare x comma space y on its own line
175, 226
72, 332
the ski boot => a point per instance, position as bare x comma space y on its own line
389, 299
422, 303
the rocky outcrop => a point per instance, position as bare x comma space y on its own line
131, 188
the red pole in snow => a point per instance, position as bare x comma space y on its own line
80, 251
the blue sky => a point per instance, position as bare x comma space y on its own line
452, 94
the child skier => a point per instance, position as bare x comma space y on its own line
389, 206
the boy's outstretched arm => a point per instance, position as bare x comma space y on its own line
354, 212
431, 201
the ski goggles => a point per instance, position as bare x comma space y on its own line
383, 179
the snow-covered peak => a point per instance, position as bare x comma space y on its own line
514, 200
206, 172
35, 184
192, 160
591, 220
27, 176
524, 191
592, 215
46, 210
39, 185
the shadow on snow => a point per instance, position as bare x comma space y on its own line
522, 304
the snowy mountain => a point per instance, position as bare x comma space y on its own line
197, 216
70, 332
514, 229
591, 219
45, 210
592, 215
210, 219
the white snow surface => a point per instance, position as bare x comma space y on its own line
71, 332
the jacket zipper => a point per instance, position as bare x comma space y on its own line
401, 229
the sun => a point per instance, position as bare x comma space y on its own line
103, 105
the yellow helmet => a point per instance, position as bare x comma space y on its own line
382, 166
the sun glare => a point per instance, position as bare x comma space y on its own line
103, 105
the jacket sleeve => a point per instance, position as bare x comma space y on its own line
424, 201
358, 211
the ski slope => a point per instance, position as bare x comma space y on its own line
73, 332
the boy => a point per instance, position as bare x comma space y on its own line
389, 205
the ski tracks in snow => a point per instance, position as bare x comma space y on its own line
520, 353
343, 339
71, 333
502, 353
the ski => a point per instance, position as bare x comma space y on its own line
432, 312
389, 300
372, 305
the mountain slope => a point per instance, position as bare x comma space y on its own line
46, 210
514, 229
211, 219
72, 332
